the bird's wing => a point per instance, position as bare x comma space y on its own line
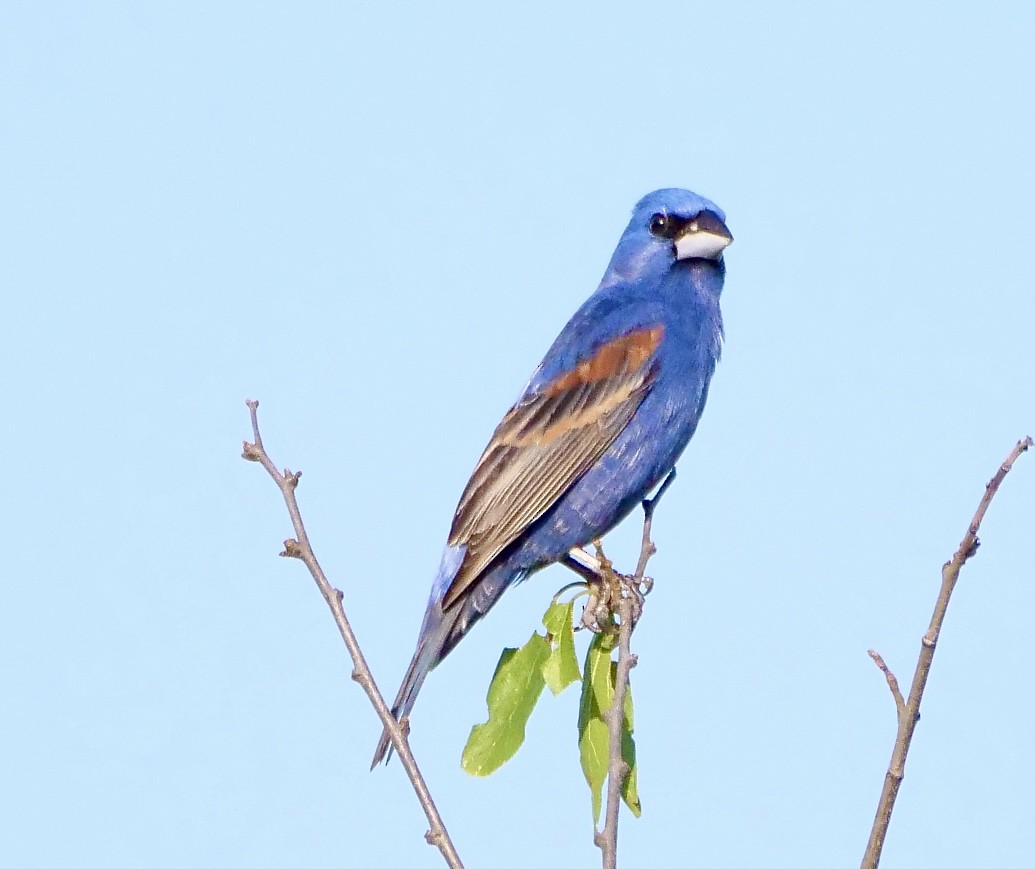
544, 444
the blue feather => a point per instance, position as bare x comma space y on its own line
602, 420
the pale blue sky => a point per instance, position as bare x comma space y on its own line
374, 218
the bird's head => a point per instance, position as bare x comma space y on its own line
669, 226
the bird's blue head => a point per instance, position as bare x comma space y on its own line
669, 226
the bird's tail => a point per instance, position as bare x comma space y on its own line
404, 700
431, 649
439, 634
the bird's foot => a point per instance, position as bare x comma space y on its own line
596, 615
606, 593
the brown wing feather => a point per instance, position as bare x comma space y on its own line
543, 445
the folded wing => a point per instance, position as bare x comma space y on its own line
544, 444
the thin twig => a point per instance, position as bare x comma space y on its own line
618, 770
647, 547
896, 692
909, 715
301, 549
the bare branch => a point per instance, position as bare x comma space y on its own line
301, 549
909, 714
896, 692
626, 604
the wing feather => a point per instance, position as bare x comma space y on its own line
544, 444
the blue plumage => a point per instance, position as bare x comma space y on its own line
602, 420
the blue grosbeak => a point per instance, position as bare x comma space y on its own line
603, 419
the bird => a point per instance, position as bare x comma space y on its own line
600, 423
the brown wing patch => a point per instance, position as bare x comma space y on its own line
619, 356
543, 445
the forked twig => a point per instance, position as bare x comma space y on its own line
908, 710
300, 548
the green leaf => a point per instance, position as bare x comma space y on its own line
630, 792
598, 691
556, 616
597, 686
513, 692
599, 666
562, 667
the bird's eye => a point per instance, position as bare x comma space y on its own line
658, 225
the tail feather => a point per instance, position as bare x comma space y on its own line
431, 649
439, 634
404, 700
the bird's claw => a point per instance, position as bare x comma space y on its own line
596, 615
632, 585
605, 601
